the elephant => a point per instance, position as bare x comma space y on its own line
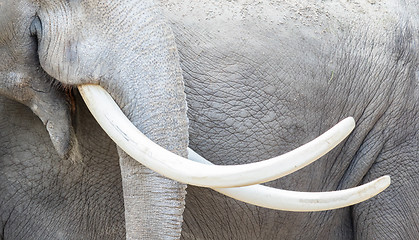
238, 82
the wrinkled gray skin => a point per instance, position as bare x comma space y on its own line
261, 79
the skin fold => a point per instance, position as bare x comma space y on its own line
261, 78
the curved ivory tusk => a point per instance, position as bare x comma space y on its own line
285, 200
168, 164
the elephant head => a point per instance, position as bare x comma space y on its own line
126, 48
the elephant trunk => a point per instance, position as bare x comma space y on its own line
153, 204
143, 75
152, 97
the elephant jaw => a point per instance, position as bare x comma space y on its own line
225, 179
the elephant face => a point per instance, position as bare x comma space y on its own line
49, 47
62, 44
103, 50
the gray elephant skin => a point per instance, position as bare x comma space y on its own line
261, 78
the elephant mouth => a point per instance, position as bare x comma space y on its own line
234, 180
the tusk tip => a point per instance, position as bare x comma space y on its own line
349, 122
383, 182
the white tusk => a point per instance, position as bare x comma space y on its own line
139, 147
285, 200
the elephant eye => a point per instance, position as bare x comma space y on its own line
36, 31
36, 27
